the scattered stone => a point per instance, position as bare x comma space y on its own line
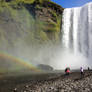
26, 86
67, 84
25, 91
15, 90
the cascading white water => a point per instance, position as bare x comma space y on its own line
77, 30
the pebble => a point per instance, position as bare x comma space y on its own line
15, 90
26, 86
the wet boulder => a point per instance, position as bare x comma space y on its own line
45, 67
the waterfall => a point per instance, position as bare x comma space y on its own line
77, 30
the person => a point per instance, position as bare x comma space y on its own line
67, 71
82, 72
88, 69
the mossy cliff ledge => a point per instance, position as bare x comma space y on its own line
29, 21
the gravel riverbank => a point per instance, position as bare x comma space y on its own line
61, 83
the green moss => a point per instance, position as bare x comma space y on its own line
38, 7
3, 3
16, 2
25, 1
41, 1
1, 9
44, 36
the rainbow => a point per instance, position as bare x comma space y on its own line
20, 61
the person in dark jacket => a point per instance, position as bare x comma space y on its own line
82, 72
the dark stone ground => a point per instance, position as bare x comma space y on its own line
49, 82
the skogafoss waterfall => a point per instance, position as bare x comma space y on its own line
77, 30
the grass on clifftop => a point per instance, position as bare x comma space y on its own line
24, 1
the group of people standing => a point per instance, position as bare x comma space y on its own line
67, 71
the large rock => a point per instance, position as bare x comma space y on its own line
45, 67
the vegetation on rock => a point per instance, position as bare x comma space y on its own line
26, 25
40, 19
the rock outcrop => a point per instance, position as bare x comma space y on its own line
29, 22
28, 26
44, 67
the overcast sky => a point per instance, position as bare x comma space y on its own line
71, 3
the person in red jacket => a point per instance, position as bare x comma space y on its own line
67, 71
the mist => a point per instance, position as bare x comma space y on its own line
65, 58
55, 56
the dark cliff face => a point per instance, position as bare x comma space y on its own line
38, 20
26, 25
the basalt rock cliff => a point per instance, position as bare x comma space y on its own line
29, 22
26, 25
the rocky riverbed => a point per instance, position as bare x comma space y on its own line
55, 83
